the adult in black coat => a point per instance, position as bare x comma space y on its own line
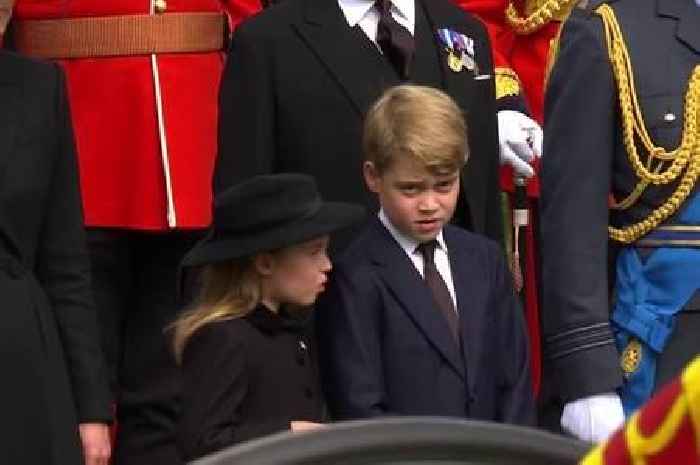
586, 159
53, 372
299, 81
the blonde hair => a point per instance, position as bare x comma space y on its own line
228, 290
419, 122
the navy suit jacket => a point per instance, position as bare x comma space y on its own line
385, 349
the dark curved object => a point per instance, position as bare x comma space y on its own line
406, 440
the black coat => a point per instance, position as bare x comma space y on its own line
585, 160
53, 373
299, 81
244, 378
385, 349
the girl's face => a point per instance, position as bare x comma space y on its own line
296, 274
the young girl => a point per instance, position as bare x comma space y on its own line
248, 368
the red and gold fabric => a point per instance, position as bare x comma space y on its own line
665, 431
145, 125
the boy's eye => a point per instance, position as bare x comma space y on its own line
409, 189
445, 185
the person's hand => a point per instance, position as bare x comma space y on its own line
593, 418
520, 141
301, 426
96, 445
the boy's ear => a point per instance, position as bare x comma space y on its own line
264, 263
372, 176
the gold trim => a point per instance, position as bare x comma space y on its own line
660, 167
679, 227
546, 12
674, 242
507, 83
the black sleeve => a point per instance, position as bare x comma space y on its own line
579, 145
350, 347
481, 178
246, 112
215, 385
63, 269
516, 398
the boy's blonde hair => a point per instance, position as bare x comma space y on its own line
418, 122
228, 290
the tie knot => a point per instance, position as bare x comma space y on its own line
384, 6
427, 249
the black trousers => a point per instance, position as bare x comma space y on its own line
134, 281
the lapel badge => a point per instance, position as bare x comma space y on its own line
459, 48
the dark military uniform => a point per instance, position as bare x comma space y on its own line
585, 161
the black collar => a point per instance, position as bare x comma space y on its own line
270, 322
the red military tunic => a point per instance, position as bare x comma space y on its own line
145, 126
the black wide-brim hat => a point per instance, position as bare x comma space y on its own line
266, 213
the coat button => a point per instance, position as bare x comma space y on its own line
160, 6
308, 393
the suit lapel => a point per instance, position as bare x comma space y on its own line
461, 275
325, 30
426, 69
688, 15
406, 284
438, 17
688, 30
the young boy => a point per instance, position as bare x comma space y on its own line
420, 317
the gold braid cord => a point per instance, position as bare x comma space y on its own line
661, 167
543, 14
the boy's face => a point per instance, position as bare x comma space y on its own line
417, 202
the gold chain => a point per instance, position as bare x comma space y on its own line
685, 157
535, 21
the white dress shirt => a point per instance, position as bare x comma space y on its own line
364, 13
409, 245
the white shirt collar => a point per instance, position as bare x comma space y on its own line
355, 10
408, 244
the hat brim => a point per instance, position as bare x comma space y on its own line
331, 217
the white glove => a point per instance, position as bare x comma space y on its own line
593, 418
520, 141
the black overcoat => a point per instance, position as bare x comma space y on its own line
53, 373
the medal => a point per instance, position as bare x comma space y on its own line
454, 62
468, 62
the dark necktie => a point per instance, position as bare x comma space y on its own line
438, 287
394, 40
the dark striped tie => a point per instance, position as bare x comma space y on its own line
438, 287
395, 40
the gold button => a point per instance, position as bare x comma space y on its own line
160, 6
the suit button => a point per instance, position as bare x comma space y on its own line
301, 360
308, 393
160, 6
